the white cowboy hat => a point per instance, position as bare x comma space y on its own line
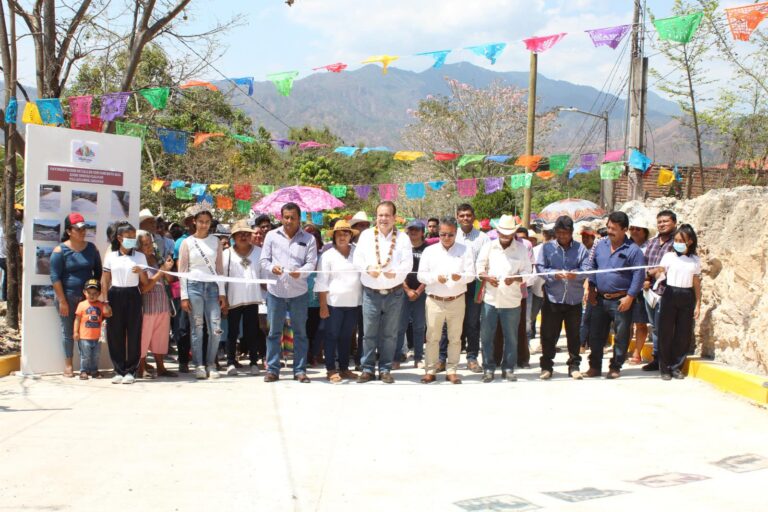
145, 214
639, 222
360, 216
506, 225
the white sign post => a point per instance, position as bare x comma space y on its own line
95, 174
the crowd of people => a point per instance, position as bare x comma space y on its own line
361, 300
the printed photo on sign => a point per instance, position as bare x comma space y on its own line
43, 260
90, 231
50, 198
46, 230
85, 202
84, 152
120, 204
42, 295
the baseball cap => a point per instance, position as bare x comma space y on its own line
586, 230
415, 224
75, 220
92, 283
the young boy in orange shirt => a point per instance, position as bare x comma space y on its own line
87, 330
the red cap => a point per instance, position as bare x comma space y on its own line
586, 230
76, 220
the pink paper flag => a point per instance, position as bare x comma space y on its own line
541, 44
614, 155
388, 192
467, 187
80, 109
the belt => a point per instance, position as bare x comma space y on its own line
386, 291
444, 299
611, 296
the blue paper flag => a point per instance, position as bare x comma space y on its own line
346, 150
245, 81
436, 185
198, 189
50, 110
177, 184
174, 141
317, 218
439, 57
415, 191
303, 216
498, 158
637, 160
577, 170
377, 148
678, 175
489, 51
12, 112
207, 199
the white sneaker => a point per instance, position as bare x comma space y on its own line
231, 370
254, 369
129, 379
200, 372
213, 373
117, 379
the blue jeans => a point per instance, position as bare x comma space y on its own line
204, 300
605, 312
381, 321
339, 328
413, 312
510, 321
533, 304
470, 335
68, 323
653, 319
277, 307
89, 355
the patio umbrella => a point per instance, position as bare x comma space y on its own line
577, 209
309, 199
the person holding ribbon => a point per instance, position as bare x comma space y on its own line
383, 254
205, 301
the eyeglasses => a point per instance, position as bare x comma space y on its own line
447, 235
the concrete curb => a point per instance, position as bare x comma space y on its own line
748, 385
9, 363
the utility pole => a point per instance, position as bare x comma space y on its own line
530, 134
638, 85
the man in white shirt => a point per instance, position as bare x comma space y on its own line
384, 256
445, 268
497, 264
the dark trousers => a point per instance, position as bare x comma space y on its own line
4, 267
358, 341
180, 335
124, 329
523, 350
586, 319
552, 318
603, 313
470, 334
675, 327
340, 327
315, 332
252, 334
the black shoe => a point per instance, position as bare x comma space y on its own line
183, 368
666, 376
677, 374
653, 366
488, 377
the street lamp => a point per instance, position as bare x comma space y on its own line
606, 186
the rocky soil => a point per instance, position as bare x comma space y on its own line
10, 340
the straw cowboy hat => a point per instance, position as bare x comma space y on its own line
343, 225
241, 226
360, 216
506, 225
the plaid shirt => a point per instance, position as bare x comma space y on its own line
653, 254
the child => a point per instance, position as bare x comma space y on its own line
87, 330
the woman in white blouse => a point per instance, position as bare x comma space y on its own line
340, 293
242, 260
680, 303
205, 301
121, 279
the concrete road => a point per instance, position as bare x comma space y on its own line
239, 444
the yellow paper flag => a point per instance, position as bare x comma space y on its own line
218, 186
157, 185
666, 177
408, 156
384, 59
31, 114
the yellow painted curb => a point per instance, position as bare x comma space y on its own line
727, 379
10, 363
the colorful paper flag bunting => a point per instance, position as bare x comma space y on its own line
415, 191
198, 189
522, 180
500, 159
613, 155
666, 177
337, 67
131, 129
283, 81
577, 170
468, 159
362, 191
338, 190
206, 200
311, 144
31, 114
346, 150
388, 191
589, 161
467, 187
174, 141
558, 163
610, 36
282, 143
243, 191
490, 51
96, 125
541, 44
243, 138
157, 185
184, 194
50, 110
529, 161
678, 175
744, 20
317, 218
113, 105
679, 29
408, 156
545, 175
177, 183
218, 186
640, 161
156, 96
243, 206
223, 202
436, 185
80, 111
200, 138
12, 111
266, 189
246, 81
385, 60
199, 83
611, 170
493, 184
444, 157
376, 148
439, 56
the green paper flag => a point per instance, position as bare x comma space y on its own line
266, 189
338, 190
679, 28
242, 138
611, 170
283, 81
558, 163
184, 193
520, 180
468, 159
156, 96
243, 206
131, 129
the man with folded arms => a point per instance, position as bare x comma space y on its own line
445, 268
384, 256
560, 259
612, 293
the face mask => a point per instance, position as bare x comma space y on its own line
679, 247
129, 243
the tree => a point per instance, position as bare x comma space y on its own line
690, 59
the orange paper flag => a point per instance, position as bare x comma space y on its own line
529, 161
199, 83
545, 175
223, 203
202, 137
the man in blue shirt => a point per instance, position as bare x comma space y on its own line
563, 293
612, 293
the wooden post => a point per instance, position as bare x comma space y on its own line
530, 134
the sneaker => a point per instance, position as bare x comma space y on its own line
545, 375
576, 375
666, 376
213, 373
117, 379
677, 374
254, 369
200, 372
488, 377
231, 370
510, 376
129, 379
